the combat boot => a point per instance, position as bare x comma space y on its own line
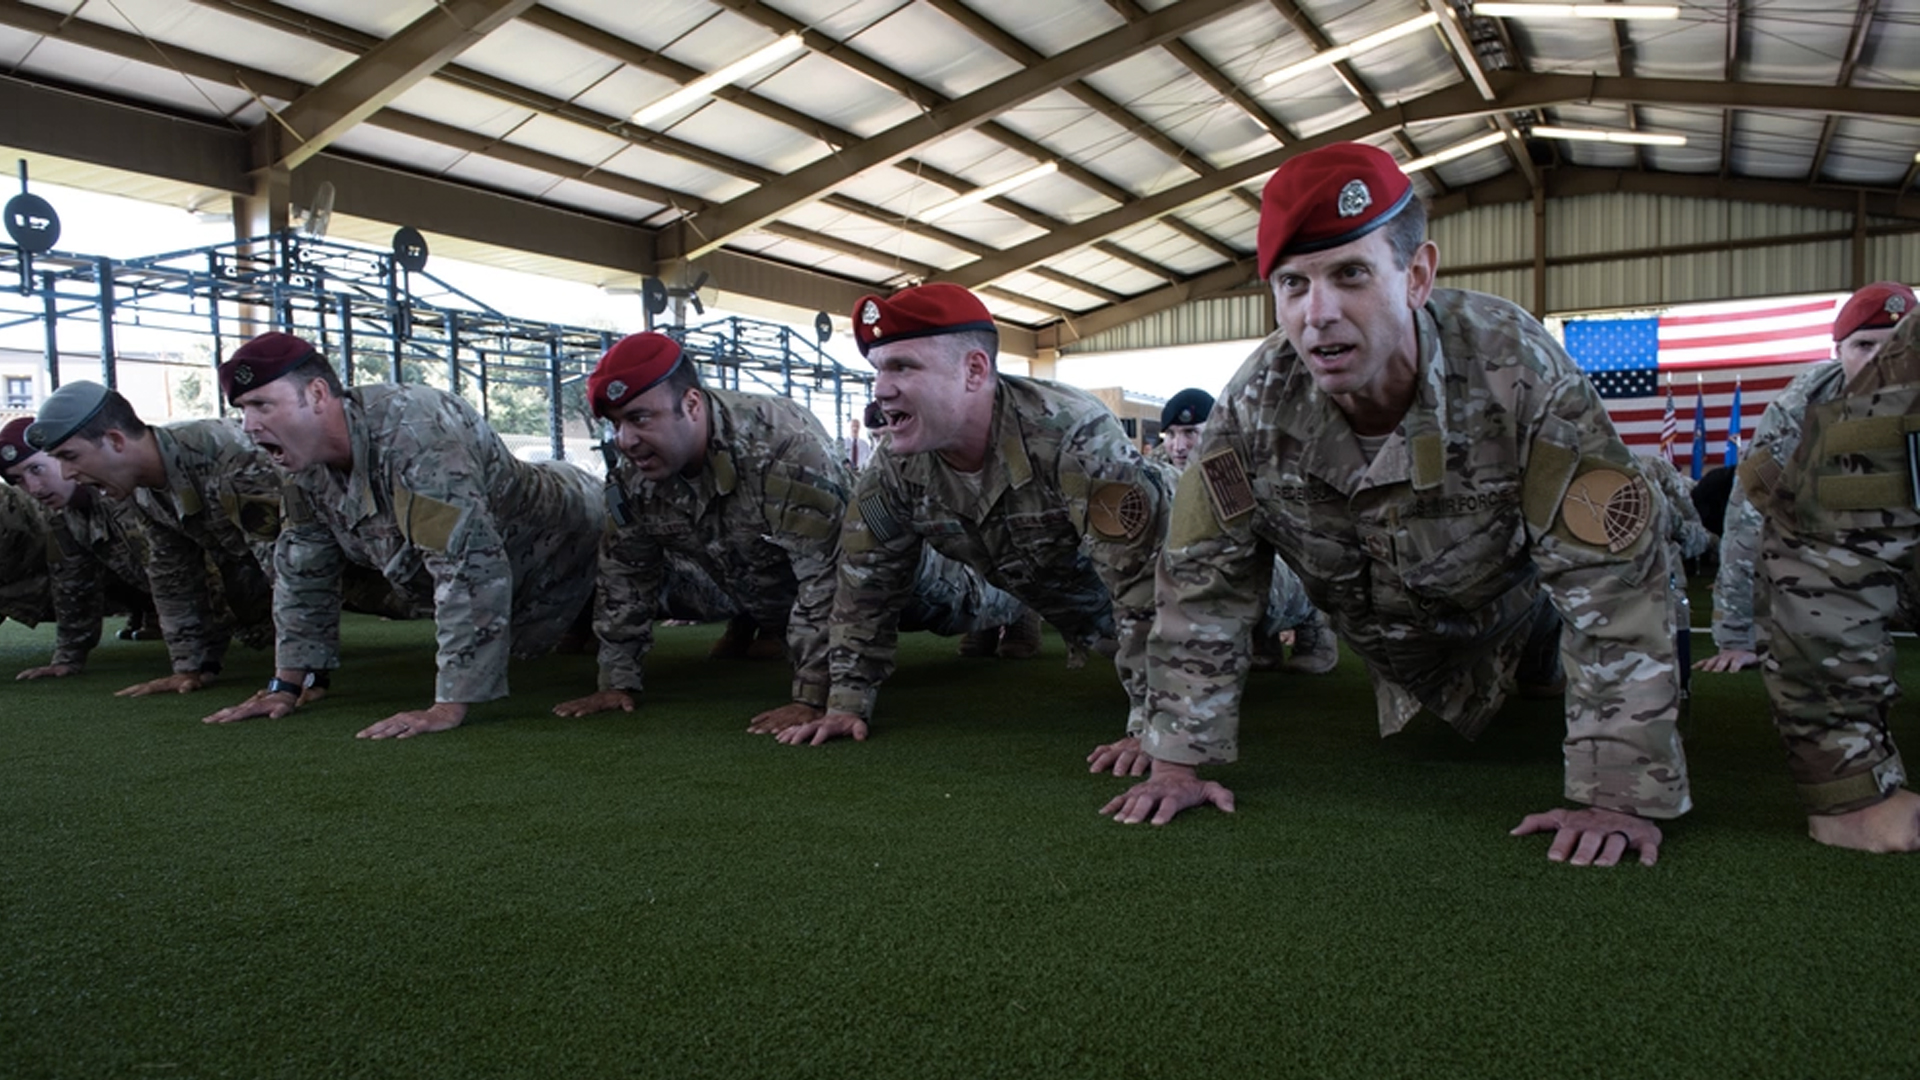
769, 643
1315, 649
1021, 640
980, 643
734, 643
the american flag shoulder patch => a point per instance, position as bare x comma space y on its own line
1227, 483
878, 519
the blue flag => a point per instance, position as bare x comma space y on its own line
1699, 430
1733, 429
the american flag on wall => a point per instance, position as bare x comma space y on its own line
1754, 348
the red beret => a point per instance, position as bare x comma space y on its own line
634, 365
262, 360
922, 311
14, 448
1328, 197
1879, 305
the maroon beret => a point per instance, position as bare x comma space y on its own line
262, 360
922, 311
1879, 305
14, 448
634, 365
1328, 197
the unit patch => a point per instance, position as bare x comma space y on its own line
1118, 511
1607, 508
1227, 484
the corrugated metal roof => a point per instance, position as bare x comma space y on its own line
1152, 141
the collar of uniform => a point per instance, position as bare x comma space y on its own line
359, 482
186, 499
720, 472
1007, 466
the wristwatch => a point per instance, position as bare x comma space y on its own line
319, 680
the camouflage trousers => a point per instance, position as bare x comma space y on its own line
949, 598
1823, 605
1288, 604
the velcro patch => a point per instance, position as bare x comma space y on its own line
426, 522
1607, 508
1227, 483
878, 519
1118, 511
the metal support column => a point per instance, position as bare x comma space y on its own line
555, 423
109, 366
52, 322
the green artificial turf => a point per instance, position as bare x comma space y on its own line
663, 895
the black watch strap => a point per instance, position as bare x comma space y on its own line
278, 685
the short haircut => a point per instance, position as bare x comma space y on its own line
685, 376
116, 414
1407, 230
314, 367
966, 341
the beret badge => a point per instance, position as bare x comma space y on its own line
243, 375
1896, 305
616, 390
870, 314
1354, 198
9, 453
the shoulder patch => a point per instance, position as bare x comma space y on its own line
877, 518
426, 522
1227, 483
1118, 511
1607, 508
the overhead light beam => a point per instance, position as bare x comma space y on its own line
1458, 151
704, 86
1577, 11
1346, 52
993, 190
1634, 138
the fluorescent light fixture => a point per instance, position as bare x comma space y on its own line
1343, 52
1636, 138
982, 194
1462, 150
705, 85
1578, 11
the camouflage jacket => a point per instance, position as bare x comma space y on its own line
1066, 515
1503, 478
437, 503
762, 519
1839, 558
219, 512
24, 594
1778, 432
95, 540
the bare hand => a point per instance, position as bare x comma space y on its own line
50, 671
775, 721
272, 706
1125, 758
440, 717
597, 702
833, 725
1890, 825
1594, 837
1172, 788
1728, 660
185, 683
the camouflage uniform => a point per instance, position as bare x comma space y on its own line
1837, 563
1686, 537
1437, 559
762, 522
99, 551
502, 548
210, 534
1066, 515
1779, 429
24, 581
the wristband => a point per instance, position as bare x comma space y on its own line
278, 685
